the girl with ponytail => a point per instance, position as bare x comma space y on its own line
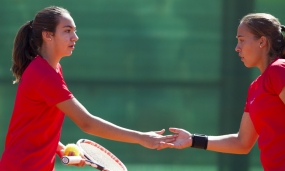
24, 50
260, 44
29, 39
43, 98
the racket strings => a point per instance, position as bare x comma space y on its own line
101, 156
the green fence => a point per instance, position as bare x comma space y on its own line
148, 65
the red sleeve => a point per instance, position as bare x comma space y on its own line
249, 91
276, 75
246, 103
54, 90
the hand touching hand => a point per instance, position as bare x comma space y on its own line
183, 140
153, 139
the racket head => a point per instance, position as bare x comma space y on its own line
100, 155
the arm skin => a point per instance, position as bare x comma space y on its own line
242, 142
239, 143
282, 95
96, 126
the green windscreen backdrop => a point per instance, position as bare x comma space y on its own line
149, 65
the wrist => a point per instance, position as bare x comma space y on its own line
136, 137
199, 141
143, 139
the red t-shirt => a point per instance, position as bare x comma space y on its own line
36, 122
267, 112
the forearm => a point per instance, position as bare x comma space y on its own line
59, 150
96, 126
230, 143
240, 143
102, 128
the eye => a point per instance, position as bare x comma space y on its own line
67, 31
240, 40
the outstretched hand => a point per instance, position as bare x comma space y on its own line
183, 140
153, 139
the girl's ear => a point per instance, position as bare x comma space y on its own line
263, 41
47, 36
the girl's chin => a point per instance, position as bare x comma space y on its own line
248, 66
68, 54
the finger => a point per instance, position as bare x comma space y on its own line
168, 140
164, 145
78, 165
71, 153
175, 130
171, 136
82, 163
161, 146
160, 132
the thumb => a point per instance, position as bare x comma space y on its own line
160, 132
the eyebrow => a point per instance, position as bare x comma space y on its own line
69, 27
238, 36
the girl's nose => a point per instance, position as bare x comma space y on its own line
237, 48
75, 38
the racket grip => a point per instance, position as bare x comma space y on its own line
71, 159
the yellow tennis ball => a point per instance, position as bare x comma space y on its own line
71, 148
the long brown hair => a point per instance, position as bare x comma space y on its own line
262, 24
29, 38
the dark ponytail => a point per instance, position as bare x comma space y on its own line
29, 40
23, 51
283, 42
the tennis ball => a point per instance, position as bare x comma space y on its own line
71, 148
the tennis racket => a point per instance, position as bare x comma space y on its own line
96, 156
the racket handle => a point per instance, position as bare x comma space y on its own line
71, 159
66, 160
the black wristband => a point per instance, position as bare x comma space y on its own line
199, 141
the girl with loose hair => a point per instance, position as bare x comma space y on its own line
43, 98
260, 44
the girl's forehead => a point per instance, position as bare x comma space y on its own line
243, 30
66, 20
242, 27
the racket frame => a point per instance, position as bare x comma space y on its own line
94, 163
